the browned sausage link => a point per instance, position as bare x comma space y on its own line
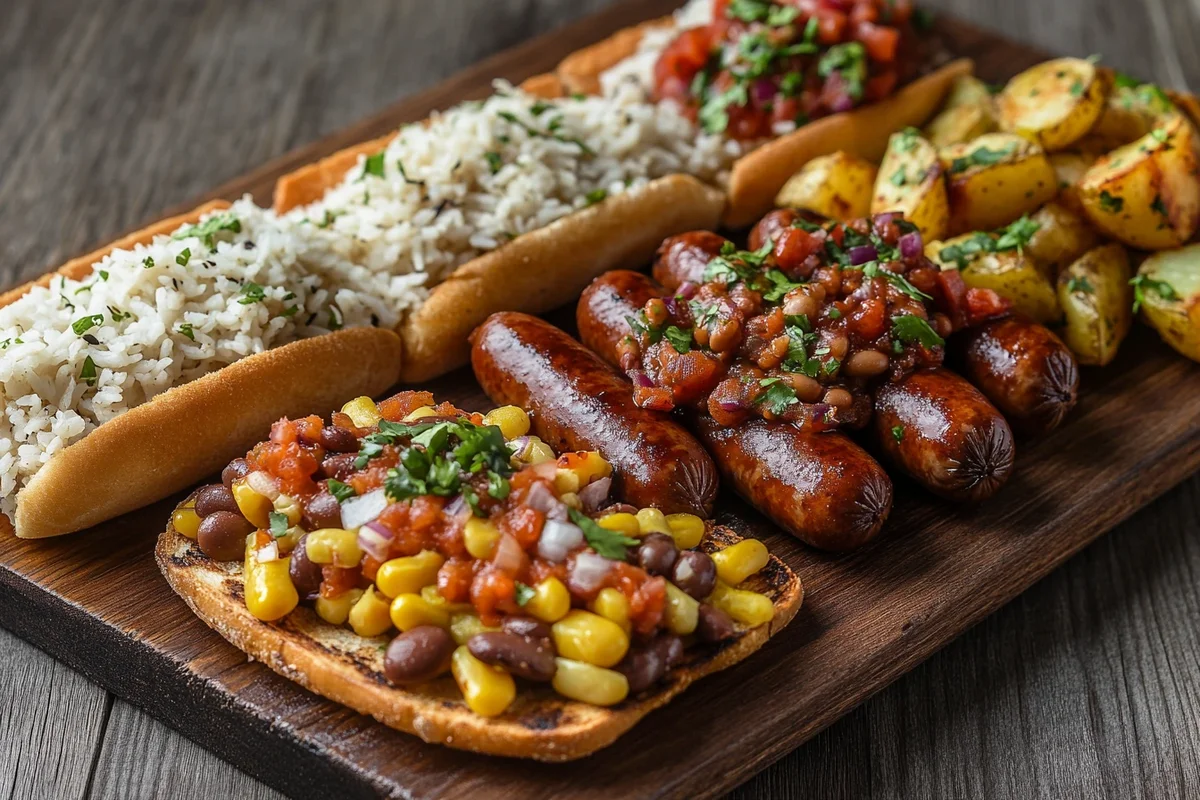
821, 487
1023, 368
605, 307
945, 434
684, 258
580, 403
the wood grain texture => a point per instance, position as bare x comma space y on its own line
1086, 686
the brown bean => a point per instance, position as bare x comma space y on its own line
865, 364
657, 554
645, 666
839, 397
338, 467
713, 624
523, 656
306, 574
238, 468
838, 347
217, 497
526, 626
222, 535
800, 304
695, 574
671, 647
338, 440
322, 510
417, 655
807, 389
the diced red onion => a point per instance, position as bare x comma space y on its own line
521, 447
508, 557
729, 405
672, 305
264, 483
375, 540
911, 246
594, 495
764, 90
881, 221
862, 254
641, 379
358, 511
558, 539
588, 572
541, 498
844, 102
687, 290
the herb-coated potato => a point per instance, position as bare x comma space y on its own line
910, 181
967, 113
995, 179
1147, 194
1069, 167
1055, 103
1009, 273
1188, 105
837, 186
1062, 236
1130, 112
1168, 286
1097, 300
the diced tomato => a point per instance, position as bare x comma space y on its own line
399, 406
794, 247
869, 320
680, 61
880, 86
831, 26
881, 42
655, 398
864, 12
337, 580
646, 605
454, 579
492, 594
689, 375
985, 304
524, 523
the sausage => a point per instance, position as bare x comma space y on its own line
580, 403
684, 258
1023, 368
945, 434
821, 487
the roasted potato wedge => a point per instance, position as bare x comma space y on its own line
1054, 103
837, 186
1167, 289
968, 113
910, 181
1147, 194
1062, 236
1097, 300
1070, 167
1188, 105
995, 179
1010, 273
1131, 111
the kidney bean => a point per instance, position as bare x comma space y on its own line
338, 440
217, 497
238, 468
526, 626
713, 624
671, 647
222, 535
657, 554
523, 656
420, 654
322, 511
694, 573
645, 666
306, 575
338, 467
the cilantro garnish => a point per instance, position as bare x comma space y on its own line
1142, 283
88, 373
848, 60
207, 231
340, 491
777, 397
595, 196
523, 593
680, 339
608, 543
85, 324
373, 165
187, 330
981, 157
733, 265
440, 457
1013, 237
910, 328
898, 433
251, 293
185, 255
148, 262
1111, 203
778, 285
495, 162
1079, 284
279, 524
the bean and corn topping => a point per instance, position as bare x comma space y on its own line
801, 326
474, 549
762, 68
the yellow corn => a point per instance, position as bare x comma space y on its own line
253, 505
185, 521
419, 413
410, 610
686, 529
739, 561
651, 520
539, 452
488, 690
511, 420
371, 615
407, 575
270, 594
363, 412
464, 626
748, 608
431, 595
287, 505
336, 610
571, 500
566, 480
480, 537
584, 636
622, 522
681, 611
287, 543
614, 605
588, 683
336, 546
550, 602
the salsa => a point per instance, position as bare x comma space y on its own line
762, 68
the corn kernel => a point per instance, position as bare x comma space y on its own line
739, 561
651, 520
291, 537
185, 521
566, 480
612, 604
686, 529
584, 636
371, 615
410, 610
488, 690
431, 595
336, 546
289, 507
268, 587
511, 420
681, 612
465, 625
363, 412
254, 506
336, 610
408, 575
550, 602
571, 500
420, 413
623, 522
539, 452
480, 537
748, 608
588, 683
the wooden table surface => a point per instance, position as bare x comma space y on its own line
113, 110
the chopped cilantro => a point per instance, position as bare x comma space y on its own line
340, 491
595, 196
1111, 203
910, 328
495, 162
898, 433
777, 397
980, 157
608, 543
899, 177
88, 373
251, 293
208, 230
148, 262
680, 339
279, 524
186, 329
848, 60
373, 165
1142, 283
184, 257
523, 593
1079, 284
85, 324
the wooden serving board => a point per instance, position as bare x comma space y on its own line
96, 601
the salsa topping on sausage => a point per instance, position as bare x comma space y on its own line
472, 548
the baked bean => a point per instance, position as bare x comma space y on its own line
222, 535
217, 497
695, 574
306, 574
338, 467
839, 397
657, 554
523, 656
419, 654
838, 347
656, 312
800, 304
865, 364
238, 468
338, 440
807, 389
942, 325
322, 511
526, 626
713, 624
726, 336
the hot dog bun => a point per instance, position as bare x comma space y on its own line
335, 663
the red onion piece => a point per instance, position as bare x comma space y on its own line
640, 378
594, 495
558, 539
880, 222
541, 498
862, 254
687, 290
729, 405
375, 540
588, 571
911, 246
764, 90
358, 511
264, 483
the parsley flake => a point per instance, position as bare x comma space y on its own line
910, 328
279, 524
523, 593
340, 491
607, 543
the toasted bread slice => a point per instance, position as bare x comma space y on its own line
334, 662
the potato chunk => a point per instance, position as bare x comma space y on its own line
1062, 236
837, 186
1096, 299
1009, 272
995, 179
910, 181
967, 113
1168, 294
1055, 103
